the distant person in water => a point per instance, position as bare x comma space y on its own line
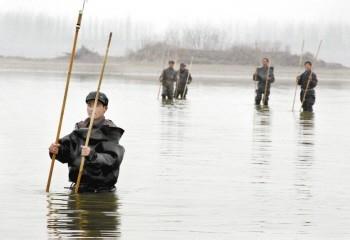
261, 77
168, 78
103, 155
183, 76
303, 81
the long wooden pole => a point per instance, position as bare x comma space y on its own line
160, 87
188, 77
70, 67
256, 71
300, 64
255, 80
310, 77
266, 82
92, 117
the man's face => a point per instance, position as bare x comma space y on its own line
308, 67
100, 109
171, 65
265, 62
182, 67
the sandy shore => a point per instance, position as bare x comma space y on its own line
150, 71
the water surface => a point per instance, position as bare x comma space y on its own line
211, 167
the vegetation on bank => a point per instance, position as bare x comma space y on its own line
236, 55
161, 52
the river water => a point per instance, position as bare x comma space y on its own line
211, 167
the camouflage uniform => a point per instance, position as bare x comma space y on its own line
184, 75
260, 77
168, 78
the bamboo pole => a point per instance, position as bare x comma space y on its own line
92, 117
310, 77
159, 89
266, 82
188, 76
70, 67
256, 70
300, 64
255, 80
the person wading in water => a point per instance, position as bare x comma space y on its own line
184, 76
103, 155
307, 85
265, 77
168, 78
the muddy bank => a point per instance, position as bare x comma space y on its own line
150, 71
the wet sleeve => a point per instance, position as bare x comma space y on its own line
189, 78
314, 80
108, 158
255, 75
272, 76
161, 77
64, 150
299, 79
176, 76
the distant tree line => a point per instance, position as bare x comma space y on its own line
238, 55
24, 34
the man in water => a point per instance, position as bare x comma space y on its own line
183, 76
265, 77
307, 83
103, 155
168, 78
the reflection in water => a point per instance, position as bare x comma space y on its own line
262, 143
83, 216
303, 164
195, 170
173, 126
166, 102
261, 157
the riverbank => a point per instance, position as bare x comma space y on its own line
149, 71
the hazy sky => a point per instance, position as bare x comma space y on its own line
245, 19
162, 12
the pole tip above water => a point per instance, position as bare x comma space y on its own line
82, 9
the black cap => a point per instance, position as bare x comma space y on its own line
308, 62
182, 65
101, 97
267, 59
